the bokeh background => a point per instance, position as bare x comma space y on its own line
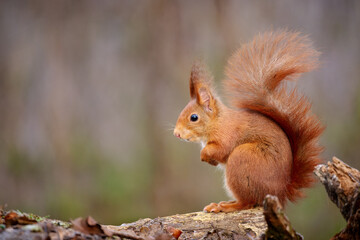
90, 92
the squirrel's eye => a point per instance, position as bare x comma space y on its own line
194, 117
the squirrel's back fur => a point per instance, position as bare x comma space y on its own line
256, 76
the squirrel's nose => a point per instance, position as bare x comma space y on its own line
176, 134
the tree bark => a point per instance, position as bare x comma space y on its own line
247, 224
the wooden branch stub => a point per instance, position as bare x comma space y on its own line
352, 230
342, 184
279, 226
247, 224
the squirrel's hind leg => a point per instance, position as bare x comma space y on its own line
242, 179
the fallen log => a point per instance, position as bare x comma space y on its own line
247, 224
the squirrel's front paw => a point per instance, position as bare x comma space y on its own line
209, 161
206, 158
212, 162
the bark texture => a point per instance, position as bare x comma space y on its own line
247, 224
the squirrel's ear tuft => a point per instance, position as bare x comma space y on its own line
199, 77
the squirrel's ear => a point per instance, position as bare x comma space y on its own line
205, 99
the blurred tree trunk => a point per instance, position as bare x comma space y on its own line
163, 14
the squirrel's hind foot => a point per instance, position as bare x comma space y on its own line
226, 206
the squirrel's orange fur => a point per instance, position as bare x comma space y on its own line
268, 141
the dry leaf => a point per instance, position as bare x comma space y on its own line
13, 218
90, 226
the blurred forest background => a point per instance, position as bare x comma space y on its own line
90, 91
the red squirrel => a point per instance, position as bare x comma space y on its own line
267, 141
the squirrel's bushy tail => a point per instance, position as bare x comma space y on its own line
255, 80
